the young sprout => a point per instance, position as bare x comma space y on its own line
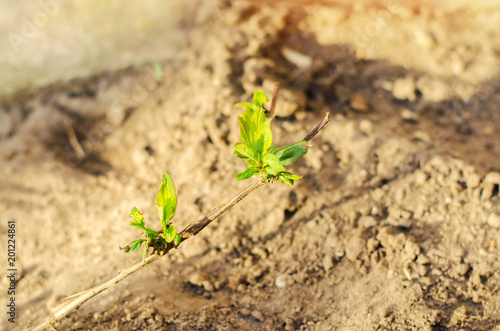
256, 146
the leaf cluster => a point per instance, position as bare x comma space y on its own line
166, 205
256, 147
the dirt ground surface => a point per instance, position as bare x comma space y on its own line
395, 225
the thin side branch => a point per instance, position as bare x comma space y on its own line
273, 102
195, 227
318, 128
76, 300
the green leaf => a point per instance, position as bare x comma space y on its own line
136, 214
245, 151
177, 239
270, 171
260, 98
244, 104
273, 161
135, 245
167, 200
169, 209
291, 153
170, 234
251, 163
286, 180
138, 220
263, 137
150, 233
246, 174
258, 117
246, 129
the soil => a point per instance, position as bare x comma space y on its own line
395, 225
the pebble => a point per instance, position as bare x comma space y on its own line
417, 290
473, 180
367, 221
258, 315
297, 58
423, 136
208, 286
404, 88
461, 269
327, 262
423, 259
457, 253
353, 248
492, 177
289, 324
426, 281
203, 280
283, 280
433, 89
366, 126
410, 251
290, 102
358, 102
420, 269
494, 220
488, 191
409, 116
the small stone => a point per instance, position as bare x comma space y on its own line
297, 58
283, 280
366, 126
492, 177
354, 247
457, 253
433, 89
404, 88
203, 280
458, 316
372, 244
422, 259
339, 253
410, 251
417, 290
420, 178
409, 116
423, 136
290, 102
494, 220
473, 180
289, 324
358, 102
461, 269
420, 269
208, 286
488, 191
258, 315
367, 221
426, 281
327, 262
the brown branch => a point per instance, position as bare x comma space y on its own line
275, 98
195, 227
318, 128
74, 301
